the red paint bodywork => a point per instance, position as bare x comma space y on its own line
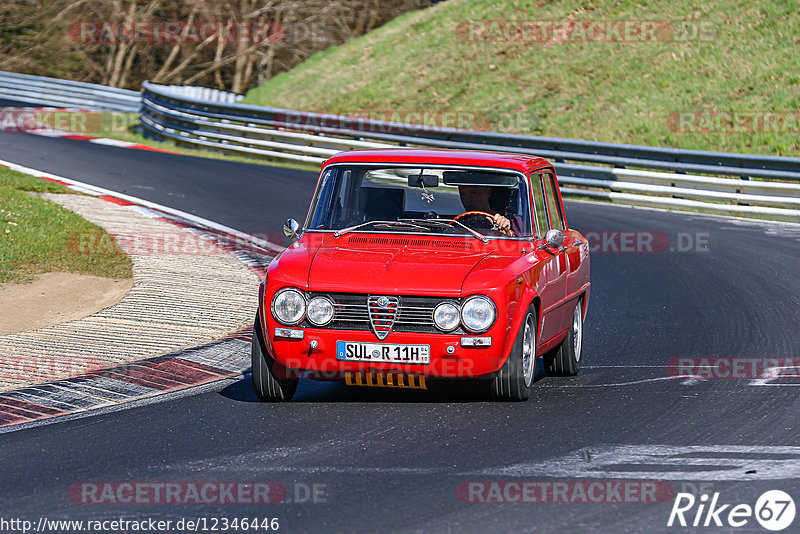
514, 273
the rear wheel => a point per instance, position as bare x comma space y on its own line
513, 381
565, 360
270, 379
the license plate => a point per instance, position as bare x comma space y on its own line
351, 351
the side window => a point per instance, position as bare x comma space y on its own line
345, 198
554, 208
323, 199
538, 204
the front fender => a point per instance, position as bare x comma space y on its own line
513, 285
527, 298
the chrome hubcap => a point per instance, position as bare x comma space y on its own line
528, 352
577, 329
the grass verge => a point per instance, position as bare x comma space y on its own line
724, 56
38, 236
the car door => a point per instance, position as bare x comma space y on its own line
555, 270
574, 254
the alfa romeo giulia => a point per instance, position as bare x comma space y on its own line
414, 265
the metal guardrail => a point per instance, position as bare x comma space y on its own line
64, 93
713, 182
203, 93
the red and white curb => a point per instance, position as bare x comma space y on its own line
205, 364
187, 368
99, 140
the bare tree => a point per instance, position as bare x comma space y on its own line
123, 42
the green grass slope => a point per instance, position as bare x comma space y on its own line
746, 60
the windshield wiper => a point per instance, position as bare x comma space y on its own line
349, 229
445, 223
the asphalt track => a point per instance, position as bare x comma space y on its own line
392, 461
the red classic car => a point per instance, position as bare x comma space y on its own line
415, 265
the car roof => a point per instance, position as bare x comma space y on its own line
427, 156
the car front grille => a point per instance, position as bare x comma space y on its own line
383, 312
409, 313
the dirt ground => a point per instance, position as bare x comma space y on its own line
55, 298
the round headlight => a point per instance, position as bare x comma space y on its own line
288, 306
478, 314
446, 316
320, 311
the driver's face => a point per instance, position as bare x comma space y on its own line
475, 197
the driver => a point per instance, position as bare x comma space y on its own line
476, 198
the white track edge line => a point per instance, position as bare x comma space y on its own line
153, 205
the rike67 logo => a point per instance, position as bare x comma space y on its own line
774, 510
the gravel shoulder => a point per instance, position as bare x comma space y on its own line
56, 298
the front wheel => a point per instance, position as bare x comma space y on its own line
270, 379
565, 360
513, 382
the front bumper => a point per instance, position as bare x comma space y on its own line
448, 357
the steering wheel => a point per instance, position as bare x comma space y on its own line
487, 216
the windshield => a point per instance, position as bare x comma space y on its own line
422, 199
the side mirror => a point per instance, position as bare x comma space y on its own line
554, 238
291, 228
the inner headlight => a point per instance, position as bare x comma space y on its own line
288, 306
478, 314
320, 311
446, 316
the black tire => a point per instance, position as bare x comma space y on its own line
512, 382
565, 360
270, 379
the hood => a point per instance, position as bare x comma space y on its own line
367, 267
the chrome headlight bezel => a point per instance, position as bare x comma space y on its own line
455, 307
468, 323
309, 311
285, 294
